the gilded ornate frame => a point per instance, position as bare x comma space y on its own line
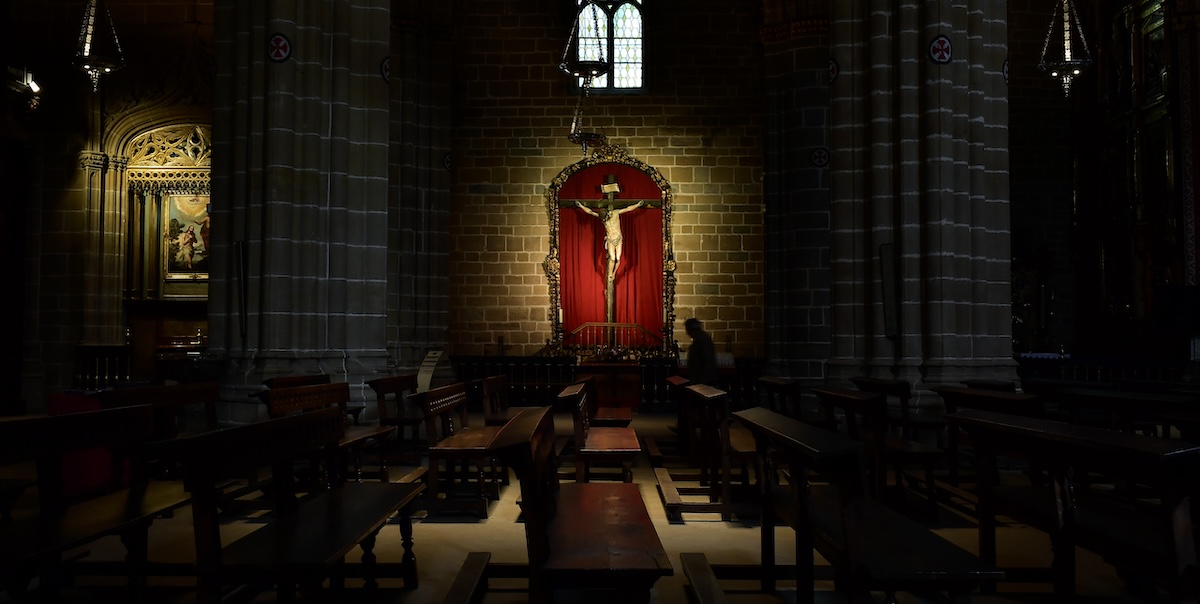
610, 153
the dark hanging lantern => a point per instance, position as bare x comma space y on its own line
99, 50
1065, 51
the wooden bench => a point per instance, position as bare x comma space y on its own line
306, 539
454, 442
606, 416
179, 409
911, 423
957, 397
1147, 538
865, 415
395, 408
301, 399
721, 446
593, 445
1130, 411
786, 396
37, 536
311, 379
579, 536
685, 427
175, 405
870, 546
490, 395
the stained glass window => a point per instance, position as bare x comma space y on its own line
612, 30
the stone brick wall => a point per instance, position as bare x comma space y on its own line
699, 123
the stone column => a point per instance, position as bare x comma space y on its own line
1186, 22
419, 180
300, 158
919, 211
797, 74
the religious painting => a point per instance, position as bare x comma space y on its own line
610, 267
186, 237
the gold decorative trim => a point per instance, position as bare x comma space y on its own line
151, 180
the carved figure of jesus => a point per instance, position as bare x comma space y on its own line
611, 219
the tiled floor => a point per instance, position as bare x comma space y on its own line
442, 543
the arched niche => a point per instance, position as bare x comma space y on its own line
168, 176
636, 320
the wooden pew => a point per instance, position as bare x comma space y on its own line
597, 444
721, 447
453, 441
686, 423
616, 417
311, 379
786, 396
912, 424
393, 399
1151, 541
491, 395
865, 416
288, 550
871, 547
34, 541
1130, 411
579, 536
301, 399
957, 397
174, 405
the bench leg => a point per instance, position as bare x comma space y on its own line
136, 542
408, 562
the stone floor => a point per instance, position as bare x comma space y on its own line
441, 544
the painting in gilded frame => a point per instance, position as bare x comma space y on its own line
186, 230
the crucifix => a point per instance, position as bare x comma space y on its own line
611, 219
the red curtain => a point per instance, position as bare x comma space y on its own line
584, 263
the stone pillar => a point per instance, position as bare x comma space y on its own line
797, 73
300, 159
419, 180
919, 210
1186, 21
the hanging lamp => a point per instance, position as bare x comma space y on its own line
584, 58
1065, 51
99, 50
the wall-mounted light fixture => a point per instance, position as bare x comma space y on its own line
21, 81
99, 49
1065, 51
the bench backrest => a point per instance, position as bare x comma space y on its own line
575, 397
46, 439
807, 447
1112, 452
527, 445
490, 394
1016, 403
301, 379
900, 389
170, 402
392, 396
297, 399
865, 412
444, 410
782, 395
210, 458
677, 390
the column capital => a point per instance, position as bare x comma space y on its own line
93, 160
